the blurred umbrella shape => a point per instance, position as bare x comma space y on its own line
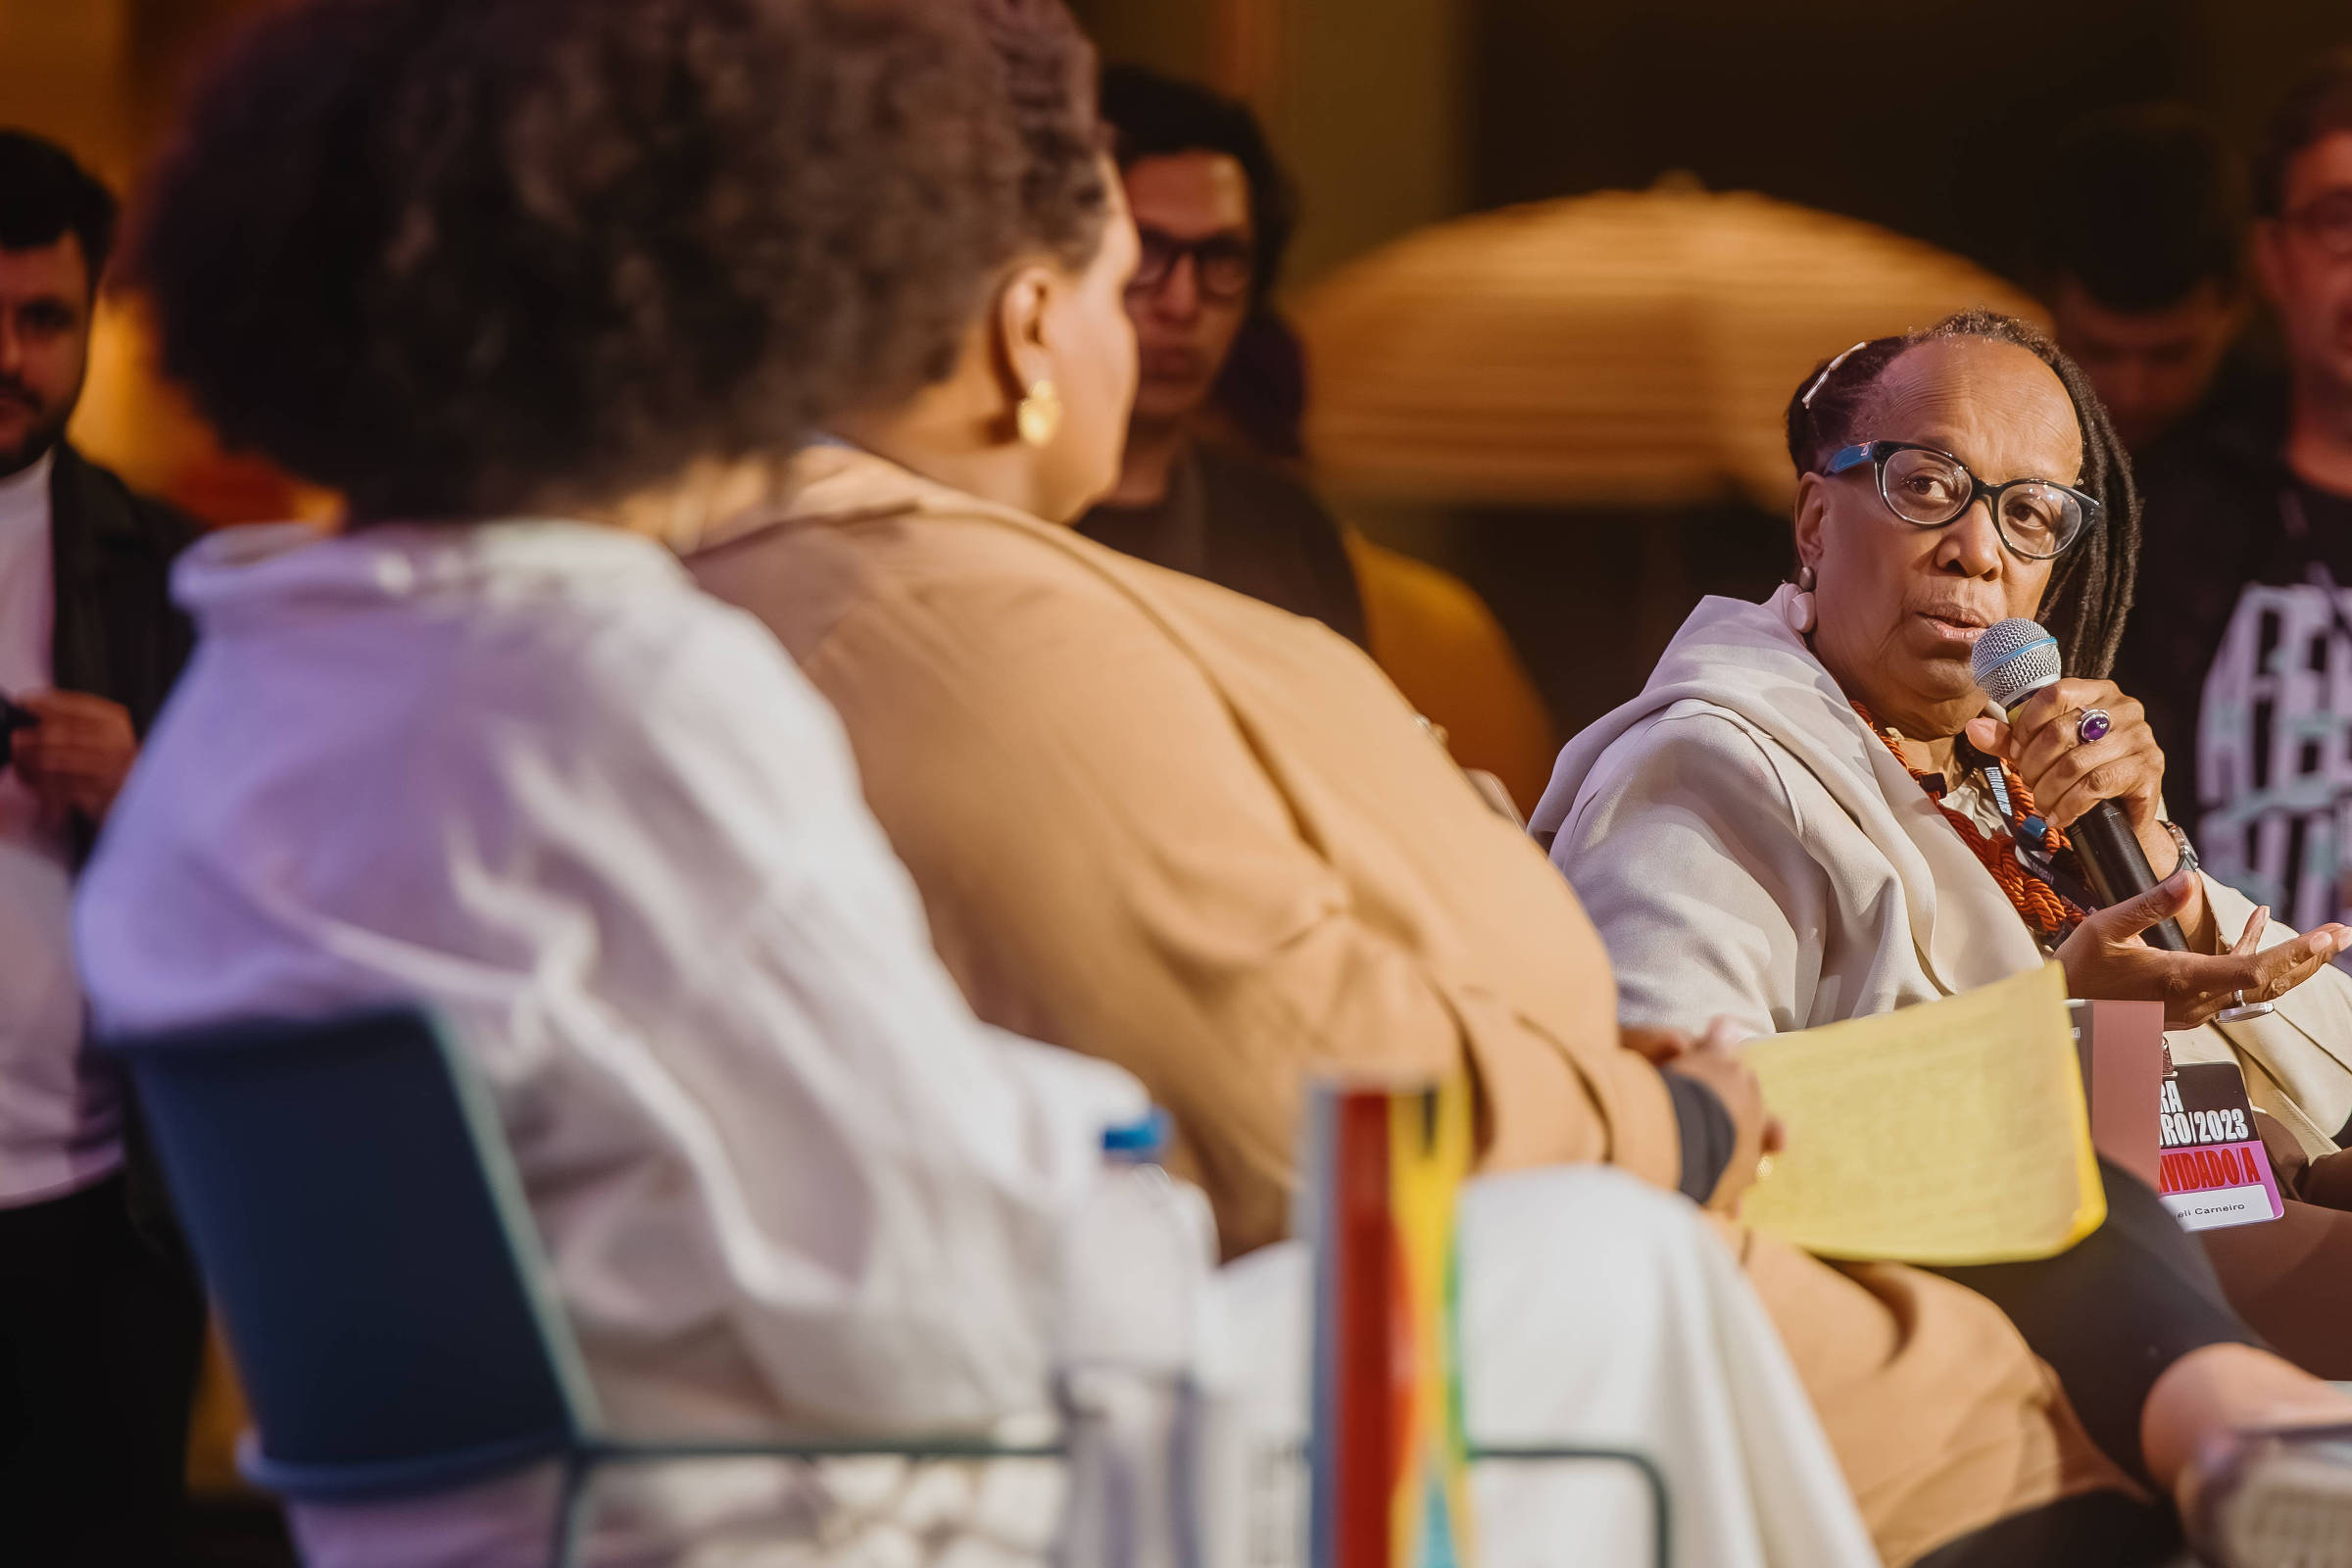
1622, 348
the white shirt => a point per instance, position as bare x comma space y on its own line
530, 774
59, 1122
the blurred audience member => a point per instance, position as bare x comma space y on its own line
1206, 486
1215, 214
99, 1315
2141, 239
2239, 643
491, 750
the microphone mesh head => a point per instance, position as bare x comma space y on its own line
2014, 660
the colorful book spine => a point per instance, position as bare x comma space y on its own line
1384, 1169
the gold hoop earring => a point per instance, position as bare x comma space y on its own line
1039, 416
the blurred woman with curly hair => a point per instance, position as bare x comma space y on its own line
514, 276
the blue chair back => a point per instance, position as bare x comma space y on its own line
348, 1192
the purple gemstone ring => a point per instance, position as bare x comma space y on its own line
2094, 724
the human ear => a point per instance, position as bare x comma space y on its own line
1811, 521
1023, 301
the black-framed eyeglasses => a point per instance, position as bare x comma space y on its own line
2036, 518
1224, 266
2326, 222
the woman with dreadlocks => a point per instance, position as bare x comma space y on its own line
1811, 814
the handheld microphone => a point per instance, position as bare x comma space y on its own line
2012, 661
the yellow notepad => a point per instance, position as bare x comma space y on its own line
1950, 1133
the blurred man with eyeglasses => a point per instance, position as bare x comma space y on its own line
1214, 213
2241, 637
1209, 486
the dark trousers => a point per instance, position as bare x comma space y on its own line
2089, 1530
2111, 1315
101, 1328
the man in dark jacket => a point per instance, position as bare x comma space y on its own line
100, 1321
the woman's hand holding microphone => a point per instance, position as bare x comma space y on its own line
2070, 773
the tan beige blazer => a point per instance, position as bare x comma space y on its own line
1160, 822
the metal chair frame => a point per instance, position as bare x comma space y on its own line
576, 1437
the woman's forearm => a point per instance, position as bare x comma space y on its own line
2197, 922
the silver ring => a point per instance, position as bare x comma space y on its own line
2244, 1010
2094, 725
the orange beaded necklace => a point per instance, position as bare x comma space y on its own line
2049, 913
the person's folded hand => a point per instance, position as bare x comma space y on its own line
1713, 1060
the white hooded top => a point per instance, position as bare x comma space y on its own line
1747, 847
530, 774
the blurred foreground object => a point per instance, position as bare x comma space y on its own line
1624, 347
1384, 1169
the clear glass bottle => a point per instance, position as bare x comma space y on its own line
1145, 1402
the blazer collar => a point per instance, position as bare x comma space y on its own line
829, 481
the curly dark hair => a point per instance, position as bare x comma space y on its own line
2090, 587
1049, 74
466, 258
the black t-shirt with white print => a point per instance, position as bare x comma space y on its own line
2240, 645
